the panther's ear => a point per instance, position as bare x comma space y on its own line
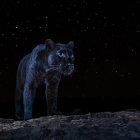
71, 44
49, 45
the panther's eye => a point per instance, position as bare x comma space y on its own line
61, 54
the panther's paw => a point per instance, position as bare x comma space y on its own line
54, 113
19, 116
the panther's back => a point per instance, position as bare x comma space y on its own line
21, 72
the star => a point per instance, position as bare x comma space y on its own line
89, 19
46, 17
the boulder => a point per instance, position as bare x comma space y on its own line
123, 125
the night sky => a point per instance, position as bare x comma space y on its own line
106, 36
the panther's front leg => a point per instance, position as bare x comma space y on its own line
28, 98
51, 96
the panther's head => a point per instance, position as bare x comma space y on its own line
60, 56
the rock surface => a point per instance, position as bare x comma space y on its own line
124, 125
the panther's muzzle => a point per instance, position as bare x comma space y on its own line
66, 69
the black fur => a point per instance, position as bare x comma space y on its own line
46, 63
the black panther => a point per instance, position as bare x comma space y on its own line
45, 64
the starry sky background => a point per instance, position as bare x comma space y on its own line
106, 36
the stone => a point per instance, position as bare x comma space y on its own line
123, 125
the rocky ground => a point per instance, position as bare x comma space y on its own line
124, 125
